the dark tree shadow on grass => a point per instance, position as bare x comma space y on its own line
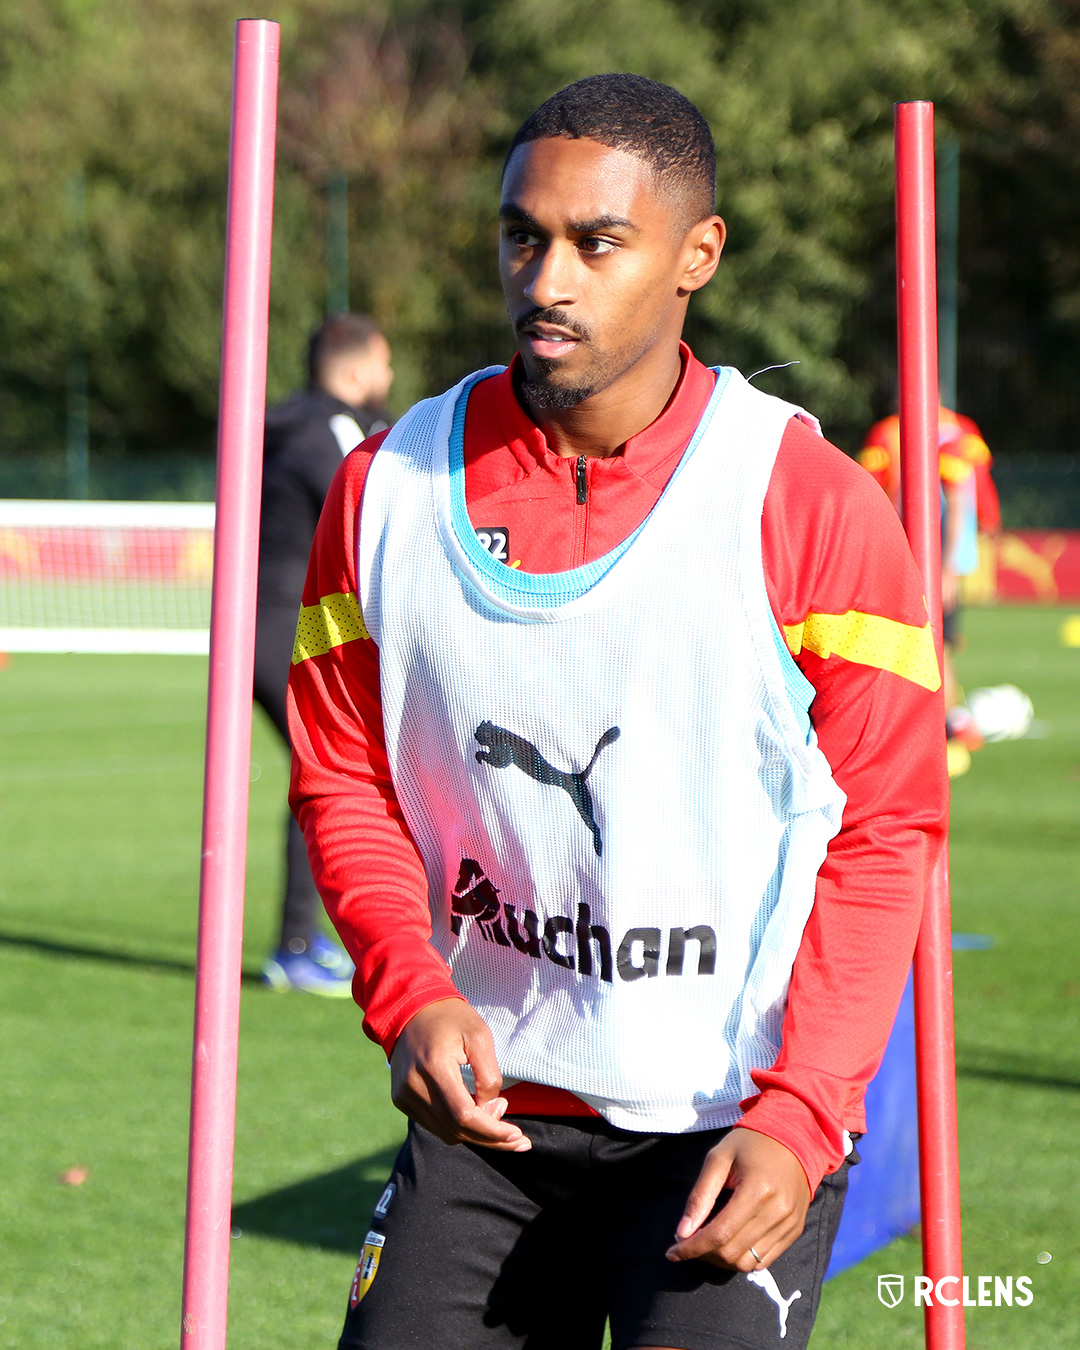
1003, 1066
331, 1211
88, 952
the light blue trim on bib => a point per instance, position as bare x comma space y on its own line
799, 689
542, 590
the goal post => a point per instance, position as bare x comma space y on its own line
935, 1050
124, 577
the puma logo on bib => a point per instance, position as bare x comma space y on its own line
503, 748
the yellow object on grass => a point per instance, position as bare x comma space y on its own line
1070, 631
957, 758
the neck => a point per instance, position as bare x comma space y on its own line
344, 391
605, 421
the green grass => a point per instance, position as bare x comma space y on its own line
1015, 875
99, 821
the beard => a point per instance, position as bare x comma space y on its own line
540, 385
543, 395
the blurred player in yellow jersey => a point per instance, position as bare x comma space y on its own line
969, 503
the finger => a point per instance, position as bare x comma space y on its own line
480, 1130
756, 1248
723, 1236
477, 1126
522, 1145
699, 1203
450, 1132
436, 1098
763, 1249
413, 1099
769, 1248
480, 1048
752, 1245
460, 1116
453, 1129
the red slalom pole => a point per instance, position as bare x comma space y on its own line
935, 1046
232, 646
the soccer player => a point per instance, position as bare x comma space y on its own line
969, 505
969, 497
618, 755
306, 438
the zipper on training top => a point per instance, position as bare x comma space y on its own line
581, 511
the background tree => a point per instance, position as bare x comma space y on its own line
113, 170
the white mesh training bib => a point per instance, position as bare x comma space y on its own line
609, 772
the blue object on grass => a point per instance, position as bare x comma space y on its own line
883, 1189
322, 969
971, 942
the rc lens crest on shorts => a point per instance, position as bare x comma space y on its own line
367, 1267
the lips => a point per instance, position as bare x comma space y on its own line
550, 342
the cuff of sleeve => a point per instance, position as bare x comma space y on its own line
792, 1123
385, 1028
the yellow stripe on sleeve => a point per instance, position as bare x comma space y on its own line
335, 620
869, 640
974, 449
953, 469
874, 458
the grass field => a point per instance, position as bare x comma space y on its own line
99, 813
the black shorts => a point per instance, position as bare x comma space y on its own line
471, 1249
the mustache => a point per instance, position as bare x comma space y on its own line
558, 318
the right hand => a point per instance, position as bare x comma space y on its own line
426, 1082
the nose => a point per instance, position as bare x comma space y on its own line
551, 282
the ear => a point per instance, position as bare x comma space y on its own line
359, 372
701, 250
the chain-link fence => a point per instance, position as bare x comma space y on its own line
177, 476
1038, 492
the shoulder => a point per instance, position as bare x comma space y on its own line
811, 475
332, 566
356, 464
347, 488
831, 539
307, 407
309, 429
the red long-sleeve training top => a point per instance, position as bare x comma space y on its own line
848, 600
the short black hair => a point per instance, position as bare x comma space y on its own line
642, 117
337, 334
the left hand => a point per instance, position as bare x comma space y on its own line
767, 1210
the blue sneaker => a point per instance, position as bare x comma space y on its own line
304, 971
330, 956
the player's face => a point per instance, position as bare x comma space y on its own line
380, 371
595, 264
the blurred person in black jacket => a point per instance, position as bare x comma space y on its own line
307, 437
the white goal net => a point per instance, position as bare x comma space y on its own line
105, 576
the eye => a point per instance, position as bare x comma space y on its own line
522, 238
593, 244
